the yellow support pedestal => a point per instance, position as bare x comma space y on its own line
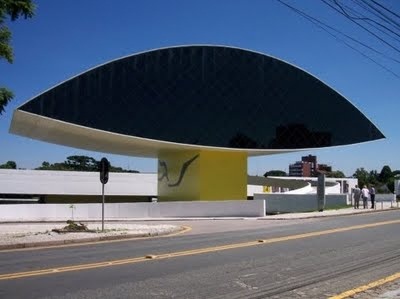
202, 175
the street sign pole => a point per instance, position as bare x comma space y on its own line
104, 167
102, 210
321, 192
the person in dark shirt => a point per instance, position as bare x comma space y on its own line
372, 195
356, 197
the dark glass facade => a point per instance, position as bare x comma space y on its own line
211, 96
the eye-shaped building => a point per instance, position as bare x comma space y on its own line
200, 109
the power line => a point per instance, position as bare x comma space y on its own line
358, 24
367, 19
388, 10
322, 26
376, 12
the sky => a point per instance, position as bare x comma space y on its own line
65, 38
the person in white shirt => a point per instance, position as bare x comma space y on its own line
365, 195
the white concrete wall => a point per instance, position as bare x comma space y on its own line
44, 182
351, 182
251, 189
385, 197
333, 189
292, 203
62, 212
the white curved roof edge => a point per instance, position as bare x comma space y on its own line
200, 45
305, 190
63, 133
334, 189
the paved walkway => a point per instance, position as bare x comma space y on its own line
380, 206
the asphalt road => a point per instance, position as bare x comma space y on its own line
310, 258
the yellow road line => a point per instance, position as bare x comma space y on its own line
151, 257
184, 229
366, 287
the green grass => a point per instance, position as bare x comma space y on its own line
338, 207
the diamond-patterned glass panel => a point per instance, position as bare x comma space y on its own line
208, 95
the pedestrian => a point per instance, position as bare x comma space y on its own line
365, 195
356, 196
372, 194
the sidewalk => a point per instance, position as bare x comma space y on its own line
380, 206
37, 234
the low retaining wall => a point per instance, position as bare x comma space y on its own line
381, 198
62, 212
385, 197
295, 203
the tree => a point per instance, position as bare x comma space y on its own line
362, 175
45, 164
390, 184
385, 175
335, 174
9, 165
79, 163
373, 177
12, 9
82, 163
275, 173
120, 169
56, 166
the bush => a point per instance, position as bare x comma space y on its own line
72, 227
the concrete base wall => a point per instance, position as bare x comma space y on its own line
385, 197
62, 212
294, 203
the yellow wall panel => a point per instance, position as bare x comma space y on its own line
178, 176
223, 176
202, 175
